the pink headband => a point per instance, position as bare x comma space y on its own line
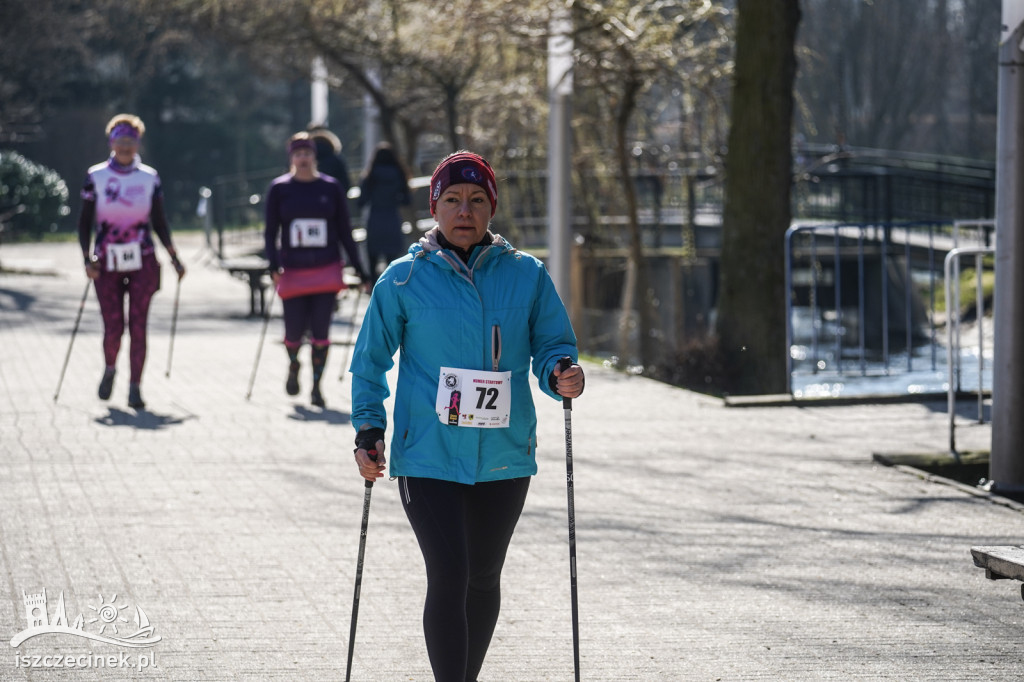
123, 130
462, 167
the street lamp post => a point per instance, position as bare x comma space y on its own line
560, 46
1006, 463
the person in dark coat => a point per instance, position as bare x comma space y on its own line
329, 160
384, 187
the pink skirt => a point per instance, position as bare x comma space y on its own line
304, 281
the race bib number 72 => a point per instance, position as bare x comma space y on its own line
467, 397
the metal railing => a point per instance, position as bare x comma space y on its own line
951, 269
861, 301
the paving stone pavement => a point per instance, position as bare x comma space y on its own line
714, 542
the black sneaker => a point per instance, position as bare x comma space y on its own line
292, 385
135, 397
316, 397
106, 384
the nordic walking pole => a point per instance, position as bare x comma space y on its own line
359, 570
351, 334
563, 365
78, 320
259, 350
174, 325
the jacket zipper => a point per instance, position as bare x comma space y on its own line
495, 346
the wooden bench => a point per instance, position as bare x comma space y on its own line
1004, 562
256, 272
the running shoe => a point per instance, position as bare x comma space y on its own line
292, 385
135, 397
106, 384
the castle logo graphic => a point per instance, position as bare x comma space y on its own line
107, 622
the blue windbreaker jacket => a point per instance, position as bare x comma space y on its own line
496, 314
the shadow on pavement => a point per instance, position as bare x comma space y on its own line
304, 414
143, 419
966, 405
21, 301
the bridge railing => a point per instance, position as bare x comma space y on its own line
863, 313
954, 361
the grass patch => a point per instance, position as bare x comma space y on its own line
970, 470
969, 288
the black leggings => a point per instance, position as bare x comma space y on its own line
463, 532
311, 313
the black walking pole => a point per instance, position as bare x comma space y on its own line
263, 335
359, 570
174, 325
563, 365
351, 334
67, 356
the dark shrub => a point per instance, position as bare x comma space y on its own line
33, 198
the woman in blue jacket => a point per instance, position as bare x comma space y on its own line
469, 315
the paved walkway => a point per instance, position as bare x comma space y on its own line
714, 543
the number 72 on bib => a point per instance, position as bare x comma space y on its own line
473, 398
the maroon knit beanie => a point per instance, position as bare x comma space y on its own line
462, 167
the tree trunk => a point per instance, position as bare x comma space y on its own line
451, 116
751, 305
636, 289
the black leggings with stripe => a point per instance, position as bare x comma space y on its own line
464, 532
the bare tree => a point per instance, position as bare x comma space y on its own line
899, 74
625, 48
423, 74
978, 23
44, 57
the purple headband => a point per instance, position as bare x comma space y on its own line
301, 143
123, 130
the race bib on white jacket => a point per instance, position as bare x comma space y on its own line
124, 257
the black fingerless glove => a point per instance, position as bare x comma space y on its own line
367, 438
